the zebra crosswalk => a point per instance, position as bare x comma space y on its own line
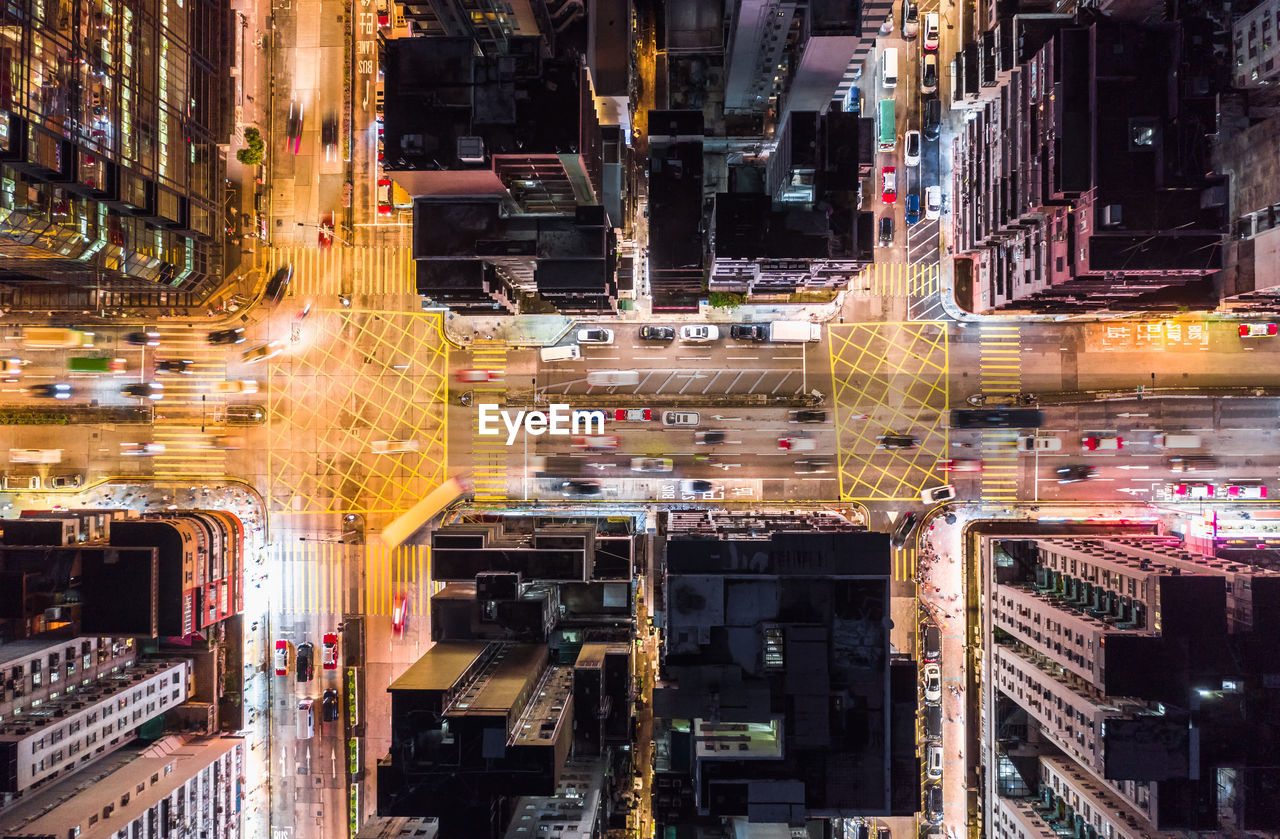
325, 273
489, 454
897, 279
322, 577
999, 465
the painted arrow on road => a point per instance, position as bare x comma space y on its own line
1133, 467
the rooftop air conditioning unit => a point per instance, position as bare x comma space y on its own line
471, 149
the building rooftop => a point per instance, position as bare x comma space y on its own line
440, 667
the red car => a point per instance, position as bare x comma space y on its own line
293, 129
633, 414
889, 178
326, 230
282, 658
384, 196
467, 377
329, 651
1094, 444
1258, 330
399, 613
960, 465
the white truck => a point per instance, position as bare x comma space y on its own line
794, 331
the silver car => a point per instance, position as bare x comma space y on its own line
680, 417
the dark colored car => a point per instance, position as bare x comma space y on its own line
896, 441
56, 390
278, 284
580, 487
176, 365
1192, 463
1072, 474
1005, 418
913, 208
708, 438
657, 333
306, 662
932, 644
813, 466
697, 485
902, 530
886, 229
808, 415
749, 332
144, 390
933, 803
329, 706
227, 336
145, 338
932, 118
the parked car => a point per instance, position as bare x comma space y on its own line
929, 73
886, 230
1258, 330
575, 487
896, 441
913, 208
652, 464
144, 390
1193, 491
933, 761
699, 333
181, 366
680, 418
657, 333
329, 651
1247, 492
749, 332
933, 203
282, 658
910, 20
595, 336
305, 662
227, 336
937, 495
911, 148
808, 415
143, 338
889, 184
633, 414
931, 32
932, 124
933, 803
384, 197
66, 481
51, 390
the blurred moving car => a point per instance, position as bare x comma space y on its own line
293, 128
708, 438
960, 464
400, 613
1073, 473
652, 464
807, 415
801, 441
262, 353
813, 466
394, 446
181, 366
227, 336
896, 441
902, 530
583, 487
1102, 444
228, 441
696, 486
469, 377
598, 442
144, 390
143, 338
236, 386
141, 449
54, 390
278, 284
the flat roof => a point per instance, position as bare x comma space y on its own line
440, 667
499, 687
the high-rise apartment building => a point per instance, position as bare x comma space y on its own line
113, 124
1124, 670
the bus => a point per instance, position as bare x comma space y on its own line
434, 503
888, 126
87, 364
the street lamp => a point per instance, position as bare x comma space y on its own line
329, 230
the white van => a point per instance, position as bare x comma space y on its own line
1176, 441
306, 719
889, 67
568, 352
613, 377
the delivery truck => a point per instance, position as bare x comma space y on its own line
794, 331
